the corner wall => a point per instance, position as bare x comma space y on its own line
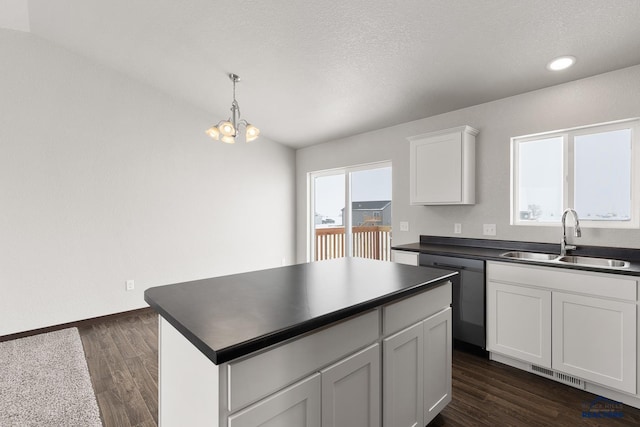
104, 179
602, 98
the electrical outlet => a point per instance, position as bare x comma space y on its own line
404, 226
489, 229
457, 228
130, 285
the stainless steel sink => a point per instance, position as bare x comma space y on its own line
533, 256
596, 262
567, 259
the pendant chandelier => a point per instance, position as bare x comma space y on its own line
228, 130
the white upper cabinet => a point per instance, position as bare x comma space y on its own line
442, 167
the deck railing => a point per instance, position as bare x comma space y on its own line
368, 242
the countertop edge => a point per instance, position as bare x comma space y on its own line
192, 338
275, 337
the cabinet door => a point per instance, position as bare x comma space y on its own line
402, 378
519, 322
295, 406
351, 391
437, 364
595, 339
436, 169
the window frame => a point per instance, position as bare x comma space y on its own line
348, 214
568, 180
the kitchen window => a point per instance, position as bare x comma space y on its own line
592, 169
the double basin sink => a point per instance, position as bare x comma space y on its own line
567, 259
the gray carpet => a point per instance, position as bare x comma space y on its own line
44, 381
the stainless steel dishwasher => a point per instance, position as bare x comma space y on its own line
468, 300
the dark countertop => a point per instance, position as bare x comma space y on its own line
231, 316
488, 249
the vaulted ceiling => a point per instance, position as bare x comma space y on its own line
314, 71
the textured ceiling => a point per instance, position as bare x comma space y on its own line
314, 71
14, 15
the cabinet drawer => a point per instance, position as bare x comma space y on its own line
284, 364
558, 279
410, 310
405, 257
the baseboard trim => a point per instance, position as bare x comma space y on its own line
85, 322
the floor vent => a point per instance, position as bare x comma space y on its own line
559, 376
568, 379
541, 370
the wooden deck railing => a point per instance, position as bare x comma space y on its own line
368, 242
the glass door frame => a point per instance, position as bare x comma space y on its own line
346, 171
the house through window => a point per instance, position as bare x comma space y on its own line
350, 212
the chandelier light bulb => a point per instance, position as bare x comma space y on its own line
252, 133
227, 129
213, 132
229, 139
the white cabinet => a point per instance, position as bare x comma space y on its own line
405, 257
284, 364
595, 339
437, 363
346, 393
403, 373
351, 391
582, 326
442, 167
298, 405
329, 377
417, 372
519, 322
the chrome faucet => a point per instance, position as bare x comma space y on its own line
576, 231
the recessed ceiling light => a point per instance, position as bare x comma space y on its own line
561, 63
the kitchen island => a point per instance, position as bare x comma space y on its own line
340, 342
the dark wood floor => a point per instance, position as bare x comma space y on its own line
487, 393
122, 355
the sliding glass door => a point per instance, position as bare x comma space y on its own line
351, 212
328, 224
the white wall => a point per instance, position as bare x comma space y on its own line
601, 98
104, 179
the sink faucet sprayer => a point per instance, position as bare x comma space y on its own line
576, 231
